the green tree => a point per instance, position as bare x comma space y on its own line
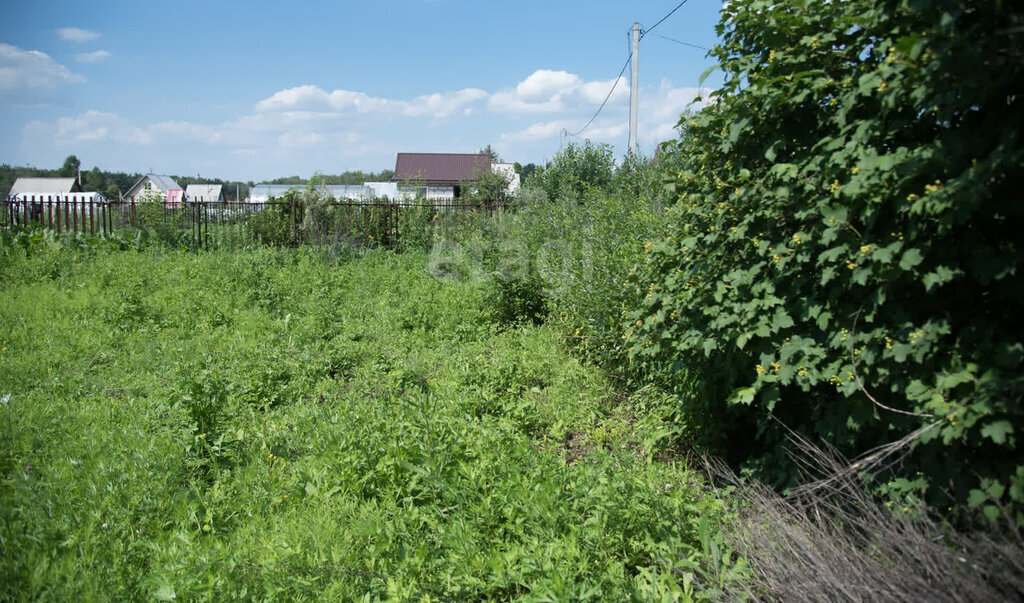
577, 169
488, 150
70, 167
489, 187
845, 256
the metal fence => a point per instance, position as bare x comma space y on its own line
232, 225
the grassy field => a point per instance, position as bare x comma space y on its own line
267, 424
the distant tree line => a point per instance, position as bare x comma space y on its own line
353, 177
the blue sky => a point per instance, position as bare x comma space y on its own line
265, 89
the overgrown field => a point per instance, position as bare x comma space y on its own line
269, 424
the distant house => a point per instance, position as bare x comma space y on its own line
205, 193
383, 190
42, 199
438, 176
39, 187
261, 193
154, 187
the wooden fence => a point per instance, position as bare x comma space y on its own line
231, 225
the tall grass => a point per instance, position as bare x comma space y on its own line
268, 424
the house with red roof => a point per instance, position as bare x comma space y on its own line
438, 176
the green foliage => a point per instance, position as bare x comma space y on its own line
265, 424
272, 226
163, 224
489, 150
575, 170
489, 187
583, 249
518, 297
845, 229
350, 177
70, 167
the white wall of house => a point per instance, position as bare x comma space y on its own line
384, 189
509, 170
445, 194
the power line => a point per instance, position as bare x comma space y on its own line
626, 64
646, 31
617, 78
683, 43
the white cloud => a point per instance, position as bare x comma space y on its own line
660, 111
300, 139
90, 126
543, 84
546, 91
607, 131
74, 34
31, 76
539, 131
92, 57
312, 100
443, 104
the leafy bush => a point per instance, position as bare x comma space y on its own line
490, 187
163, 224
585, 247
575, 170
842, 254
518, 297
271, 226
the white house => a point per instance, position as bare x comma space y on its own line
205, 193
154, 187
440, 176
42, 186
52, 200
437, 176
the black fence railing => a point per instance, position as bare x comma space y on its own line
375, 223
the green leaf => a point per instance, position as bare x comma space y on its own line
976, 498
911, 258
781, 320
743, 395
997, 431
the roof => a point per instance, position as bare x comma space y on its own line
42, 185
164, 183
203, 192
449, 168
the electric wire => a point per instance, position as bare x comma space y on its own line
619, 77
623, 70
683, 43
647, 31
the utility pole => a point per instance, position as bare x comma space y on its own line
563, 139
634, 88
